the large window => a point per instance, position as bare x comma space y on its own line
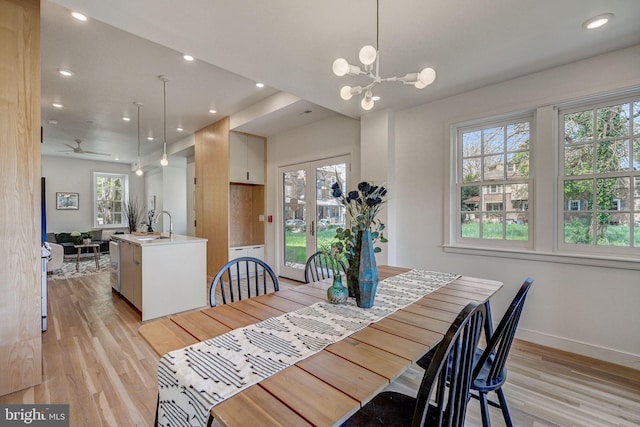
493, 181
599, 181
109, 192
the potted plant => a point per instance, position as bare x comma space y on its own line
336, 293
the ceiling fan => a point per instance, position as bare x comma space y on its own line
79, 150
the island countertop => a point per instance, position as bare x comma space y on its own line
157, 239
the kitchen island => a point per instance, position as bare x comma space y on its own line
162, 274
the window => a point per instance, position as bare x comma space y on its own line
493, 182
600, 175
109, 192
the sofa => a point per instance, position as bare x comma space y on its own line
67, 241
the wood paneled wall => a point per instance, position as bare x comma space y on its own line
20, 230
212, 192
246, 205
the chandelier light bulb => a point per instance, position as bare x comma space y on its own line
425, 78
367, 102
164, 161
139, 171
340, 67
368, 55
345, 93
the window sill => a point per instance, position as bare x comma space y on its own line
554, 257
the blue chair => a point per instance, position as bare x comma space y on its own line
318, 268
452, 364
244, 277
490, 371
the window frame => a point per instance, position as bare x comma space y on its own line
125, 197
457, 151
628, 208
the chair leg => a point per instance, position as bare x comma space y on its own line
484, 409
503, 406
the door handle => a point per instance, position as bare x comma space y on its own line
313, 228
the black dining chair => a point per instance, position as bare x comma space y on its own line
451, 364
318, 267
244, 277
490, 371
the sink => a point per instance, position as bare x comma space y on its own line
148, 238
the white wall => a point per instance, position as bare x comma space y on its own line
168, 185
585, 309
69, 175
326, 138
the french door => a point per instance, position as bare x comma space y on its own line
309, 214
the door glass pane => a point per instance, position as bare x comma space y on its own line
294, 214
330, 214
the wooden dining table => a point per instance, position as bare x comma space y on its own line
328, 387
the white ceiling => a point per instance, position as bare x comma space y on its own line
290, 46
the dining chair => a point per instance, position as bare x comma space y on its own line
244, 277
490, 371
452, 364
318, 267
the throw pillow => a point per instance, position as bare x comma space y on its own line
64, 238
97, 234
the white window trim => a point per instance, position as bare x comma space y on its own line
125, 196
453, 227
596, 252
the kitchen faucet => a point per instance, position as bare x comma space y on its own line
170, 221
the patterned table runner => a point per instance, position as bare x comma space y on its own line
194, 379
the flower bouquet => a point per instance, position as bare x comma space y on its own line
363, 206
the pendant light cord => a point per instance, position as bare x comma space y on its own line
138, 135
164, 85
377, 25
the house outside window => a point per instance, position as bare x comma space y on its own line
493, 182
110, 191
599, 154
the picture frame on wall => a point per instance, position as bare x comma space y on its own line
66, 201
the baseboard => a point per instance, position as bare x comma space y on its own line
585, 349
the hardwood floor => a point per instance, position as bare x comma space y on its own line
95, 360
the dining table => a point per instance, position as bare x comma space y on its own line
330, 385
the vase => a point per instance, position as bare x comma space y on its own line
368, 274
337, 294
353, 271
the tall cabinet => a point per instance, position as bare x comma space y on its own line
230, 193
20, 228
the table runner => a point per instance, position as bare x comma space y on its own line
194, 379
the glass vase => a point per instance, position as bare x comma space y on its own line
336, 293
368, 274
353, 270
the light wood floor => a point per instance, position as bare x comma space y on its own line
94, 360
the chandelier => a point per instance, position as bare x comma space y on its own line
370, 58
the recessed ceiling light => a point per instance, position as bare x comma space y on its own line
150, 138
56, 105
212, 111
260, 85
79, 16
597, 21
188, 57
126, 119
65, 73
52, 122
179, 129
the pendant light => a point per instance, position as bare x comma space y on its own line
139, 170
370, 58
165, 79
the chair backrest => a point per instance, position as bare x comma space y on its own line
244, 277
452, 366
319, 268
501, 339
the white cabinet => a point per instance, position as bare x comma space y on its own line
255, 251
246, 159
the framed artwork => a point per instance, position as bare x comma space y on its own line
67, 201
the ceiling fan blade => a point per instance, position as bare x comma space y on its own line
71, 146
95, 152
